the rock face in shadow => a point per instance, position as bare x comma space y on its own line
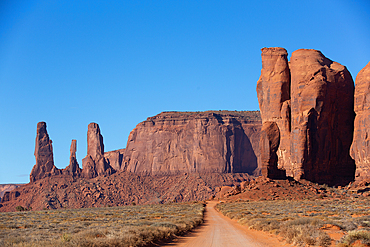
94, 164
114, 158
269, 144
317, 118
360, 149
73, 168
10, 196
175, 142
44, 166
4, 188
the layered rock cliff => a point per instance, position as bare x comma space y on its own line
312, 107
214, 141
360, 149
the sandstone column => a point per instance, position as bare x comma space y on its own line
273, 91
44, 166
94, 163
360, 149
73, 168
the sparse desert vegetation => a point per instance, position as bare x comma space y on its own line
111, 226
307, 222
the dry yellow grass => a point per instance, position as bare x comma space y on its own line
115, 226
299, 222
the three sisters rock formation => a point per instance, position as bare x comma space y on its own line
304, 130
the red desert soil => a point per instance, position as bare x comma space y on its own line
218, 230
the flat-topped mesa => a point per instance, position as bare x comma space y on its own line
94, 164
73, 168
44, 166
322, 98
360, 149
273, 91
212, 141
313, 111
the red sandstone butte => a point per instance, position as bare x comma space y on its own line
360, 149
314, 114
94, 164
44, 166
322, 116
214, 141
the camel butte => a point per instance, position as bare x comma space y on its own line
311, 131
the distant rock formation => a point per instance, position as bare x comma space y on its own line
10, 196
360, 149
214, 141
168, 143
119, 189
94, 164
115, 158
7, 188
73, 168
317, 117
44, 166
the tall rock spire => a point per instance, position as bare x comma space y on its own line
273, 91
94, 164
44, 166
73, 168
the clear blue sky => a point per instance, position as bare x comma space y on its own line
115, 63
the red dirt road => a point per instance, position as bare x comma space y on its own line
219, 231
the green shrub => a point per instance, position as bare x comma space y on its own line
66, 237
20, 208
